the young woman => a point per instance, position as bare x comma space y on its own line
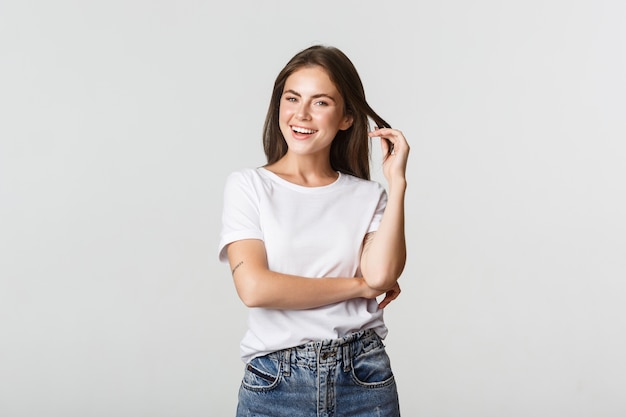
311, 243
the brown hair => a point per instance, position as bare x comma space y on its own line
350, 150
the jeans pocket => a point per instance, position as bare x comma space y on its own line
372, 368
262, 374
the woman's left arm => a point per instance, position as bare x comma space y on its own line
384, 251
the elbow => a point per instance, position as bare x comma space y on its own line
249, 295
383, 279
249, 300
383, 282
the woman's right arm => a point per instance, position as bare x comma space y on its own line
257, 286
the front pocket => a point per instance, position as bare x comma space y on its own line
262, 374
372, 368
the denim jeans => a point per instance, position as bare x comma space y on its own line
347, 377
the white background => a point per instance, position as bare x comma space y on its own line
119, 121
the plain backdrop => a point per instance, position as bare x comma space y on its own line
119, 121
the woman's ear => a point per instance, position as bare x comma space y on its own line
346, 122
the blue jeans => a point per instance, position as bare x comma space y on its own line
348, 377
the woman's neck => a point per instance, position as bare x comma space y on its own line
308, 172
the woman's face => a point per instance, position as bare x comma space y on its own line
311, 112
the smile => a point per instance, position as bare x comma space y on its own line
303, 130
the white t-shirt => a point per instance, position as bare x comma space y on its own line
307, 231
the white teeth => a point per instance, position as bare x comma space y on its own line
302, 130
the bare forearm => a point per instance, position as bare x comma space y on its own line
258, 286
384, 257
269, 289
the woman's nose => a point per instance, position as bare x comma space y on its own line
303, 113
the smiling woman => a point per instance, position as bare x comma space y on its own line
311, 243
311, 113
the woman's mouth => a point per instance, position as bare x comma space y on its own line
302, 130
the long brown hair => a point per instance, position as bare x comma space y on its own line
350, 150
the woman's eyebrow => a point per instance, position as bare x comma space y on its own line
320, 95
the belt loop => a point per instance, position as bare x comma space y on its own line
346, 357
287, 362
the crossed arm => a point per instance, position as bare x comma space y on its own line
258, 286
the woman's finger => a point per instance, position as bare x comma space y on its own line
390, 295
392, 137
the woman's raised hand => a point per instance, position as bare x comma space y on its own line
394, 162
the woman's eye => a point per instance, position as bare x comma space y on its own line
291, 99
321, 103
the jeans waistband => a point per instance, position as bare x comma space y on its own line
330, 351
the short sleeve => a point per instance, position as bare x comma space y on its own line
380, 209
240, 213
